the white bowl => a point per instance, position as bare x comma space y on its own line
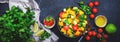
105, 20
49, 27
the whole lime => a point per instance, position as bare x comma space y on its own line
111, 28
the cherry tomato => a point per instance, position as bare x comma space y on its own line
90, 33
45, 22
60, 15
92, 16
75, 27
87, 38
66, 27
94, 10
93, 33
51, 23
100, 30
96, 3
105, 36
99, 35
90, 4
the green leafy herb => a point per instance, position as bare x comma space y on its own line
84, 7
44, 35
15, 25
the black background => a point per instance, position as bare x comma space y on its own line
108, 8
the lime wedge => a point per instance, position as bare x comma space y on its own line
39, 33
35, 29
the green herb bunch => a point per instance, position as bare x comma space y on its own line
15, 25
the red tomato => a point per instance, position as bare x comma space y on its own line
94, 10
105, 36
99, 35
66, 27
90, 33
75, 27
87, 38
60, 15
45, 22
93, 33
92, 16
100, 30
51, 23
96, 3
90, 4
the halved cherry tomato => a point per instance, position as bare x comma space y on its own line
66, 27
75, 27
51, 22
45, 22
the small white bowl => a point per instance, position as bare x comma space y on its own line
105, 20
49, 27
